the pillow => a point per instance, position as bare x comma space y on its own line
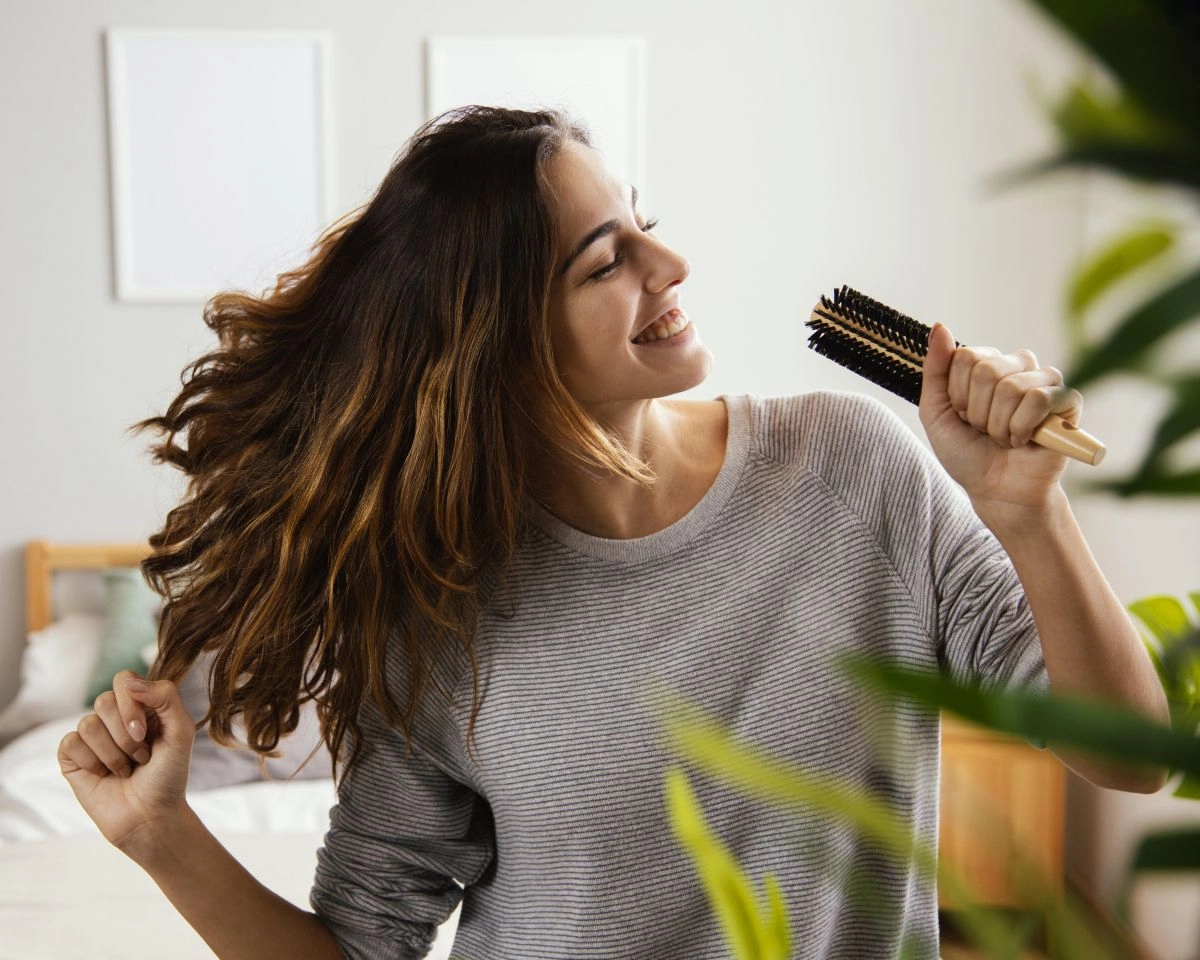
56, 668
214, 765
131, 622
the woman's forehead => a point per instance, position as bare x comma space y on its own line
584, 187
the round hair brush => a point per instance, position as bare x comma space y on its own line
889, 348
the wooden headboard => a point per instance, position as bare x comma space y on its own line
43, 559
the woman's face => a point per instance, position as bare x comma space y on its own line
613, 285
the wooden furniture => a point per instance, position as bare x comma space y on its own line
1002, 816
42, 559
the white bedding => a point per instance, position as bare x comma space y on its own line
79, 898
65, 892
37, 802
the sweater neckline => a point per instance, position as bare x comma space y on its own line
684, 530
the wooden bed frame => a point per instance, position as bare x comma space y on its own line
44, 559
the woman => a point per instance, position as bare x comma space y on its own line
435, 487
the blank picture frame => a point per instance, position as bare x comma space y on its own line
598, 79
219, 158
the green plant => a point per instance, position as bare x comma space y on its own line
1144, 125
751, 933
1079, 724
712, 750
1172, 639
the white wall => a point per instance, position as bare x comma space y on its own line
792, 147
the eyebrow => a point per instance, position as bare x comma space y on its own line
601, 231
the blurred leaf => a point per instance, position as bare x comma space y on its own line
1144, 165
750, 936
1181, 420
1181, 662
1169, 850
1111, 264
1183, 484
1086, 117
777, 921
1164, 616
1088, 725
1188, 789
1174, 647
1166, 851
695, 736
1163, 314
1075, 932
1149, 47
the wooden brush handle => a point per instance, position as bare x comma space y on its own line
1061, 437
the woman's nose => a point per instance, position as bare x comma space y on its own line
668, 269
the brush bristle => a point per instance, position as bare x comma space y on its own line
871, 339
878, 366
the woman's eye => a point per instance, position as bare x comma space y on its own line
608, 268
618, 259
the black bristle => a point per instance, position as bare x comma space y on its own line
887, 323
875, 365
894, 332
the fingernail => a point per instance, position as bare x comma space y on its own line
136, 730
142, 756
137, 686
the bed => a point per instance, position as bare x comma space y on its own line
64, 891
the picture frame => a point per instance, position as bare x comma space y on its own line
220, 157
599, 80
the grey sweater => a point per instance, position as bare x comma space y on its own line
830, 530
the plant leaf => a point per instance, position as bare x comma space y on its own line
1085, 117
1163, 314
728, 889
1137, 163
1163, 616
1188, 789
1116, 260
1168, 850
1149, 48
1180, 421
1160, 483
778, 935
1088, 725
695, 736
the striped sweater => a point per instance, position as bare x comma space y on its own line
829, 530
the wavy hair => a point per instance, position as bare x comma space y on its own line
358, 445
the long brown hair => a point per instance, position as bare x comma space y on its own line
358, 445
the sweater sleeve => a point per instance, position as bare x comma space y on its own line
405, 836
964, 585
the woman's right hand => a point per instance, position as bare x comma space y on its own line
128, 761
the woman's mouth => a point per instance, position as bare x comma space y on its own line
670, 324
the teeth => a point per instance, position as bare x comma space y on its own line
663, 330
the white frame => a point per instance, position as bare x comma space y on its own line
570, 73
134, 227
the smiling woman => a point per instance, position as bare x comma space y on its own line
622, 341
439, 485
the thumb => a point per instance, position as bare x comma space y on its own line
935, 371
177, 730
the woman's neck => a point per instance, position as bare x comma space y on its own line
683, 443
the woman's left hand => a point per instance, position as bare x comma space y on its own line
980, 407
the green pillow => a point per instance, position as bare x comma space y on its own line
131, 622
